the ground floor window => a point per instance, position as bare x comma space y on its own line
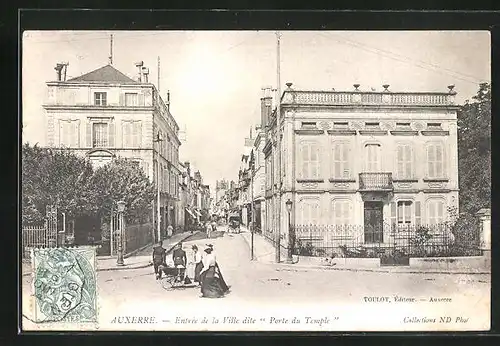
405, 213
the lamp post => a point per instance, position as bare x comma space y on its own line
121, 209
252, 219
158, 216
291, 231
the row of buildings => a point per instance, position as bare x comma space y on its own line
369, 159
105, 114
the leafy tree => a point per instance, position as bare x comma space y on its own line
54, 178
123, 180
474, 152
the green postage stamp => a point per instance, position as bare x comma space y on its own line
65, 285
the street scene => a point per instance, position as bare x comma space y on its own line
238, 183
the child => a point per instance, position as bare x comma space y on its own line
159, 259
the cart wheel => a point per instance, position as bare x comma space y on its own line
168, 283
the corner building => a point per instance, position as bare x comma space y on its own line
364, 159
105, 114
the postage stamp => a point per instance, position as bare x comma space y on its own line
65, 285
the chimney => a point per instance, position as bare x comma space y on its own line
168, 100
58, 69
139, 65
145, 73
265, 106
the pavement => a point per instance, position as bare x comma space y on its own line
268, 287
264, 252
141, 258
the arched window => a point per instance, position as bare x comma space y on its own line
341, 212
435, 211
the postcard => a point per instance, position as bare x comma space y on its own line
256, 181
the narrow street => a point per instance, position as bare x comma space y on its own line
256, 285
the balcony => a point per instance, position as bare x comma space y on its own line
375, 182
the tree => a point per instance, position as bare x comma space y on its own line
123, 180
54, 178
474, 152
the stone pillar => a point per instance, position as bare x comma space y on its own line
485, 219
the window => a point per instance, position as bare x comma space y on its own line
404, 161
435, 212
132, 134
373, 158
100, 99
372, 125
310, 211
340, 160
100, 133
131, 99
434, 126
268, 173
341, 212
308, 124
341, 125
310, 160
69, 134
405, 212
403, 126
435, 160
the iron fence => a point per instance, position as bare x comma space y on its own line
37, 237
357, 241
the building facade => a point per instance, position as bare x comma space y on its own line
378, 160
105, 114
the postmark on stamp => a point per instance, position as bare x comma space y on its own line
65, 285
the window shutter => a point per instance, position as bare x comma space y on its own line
111, 127
139, 134
393, 214
141, 99
89, 134
122, 99
76, 133
346, 167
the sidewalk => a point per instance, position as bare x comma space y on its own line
141, 259
264, 252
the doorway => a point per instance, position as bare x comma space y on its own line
374, 222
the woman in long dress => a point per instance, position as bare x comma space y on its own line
212, 283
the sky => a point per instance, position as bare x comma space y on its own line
215, 77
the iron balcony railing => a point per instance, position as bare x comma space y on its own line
375, 181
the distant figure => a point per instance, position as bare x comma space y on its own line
170, 231
214, 226
209, 230
159, 259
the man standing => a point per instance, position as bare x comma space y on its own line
170, 231
159, 259
180, 260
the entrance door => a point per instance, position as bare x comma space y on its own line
374, 222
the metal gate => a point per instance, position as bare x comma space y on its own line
41, 236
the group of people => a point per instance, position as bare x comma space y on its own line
207, 273
210, 227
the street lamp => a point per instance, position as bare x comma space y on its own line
158, 139
291, 231
121, 209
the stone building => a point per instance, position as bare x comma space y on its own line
105, 114
362, 158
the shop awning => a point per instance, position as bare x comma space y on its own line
190, 212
